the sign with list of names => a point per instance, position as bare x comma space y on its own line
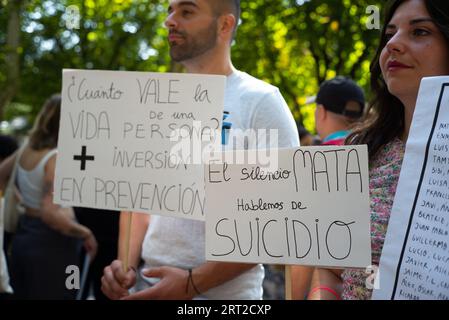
414, 264
123, 139
311, 209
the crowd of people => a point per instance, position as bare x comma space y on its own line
414, 44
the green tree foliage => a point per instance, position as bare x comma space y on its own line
305, 43
10, 52
112, 35
292, 44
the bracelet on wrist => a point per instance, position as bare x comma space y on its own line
190, 281
325, 288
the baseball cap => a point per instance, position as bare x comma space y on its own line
343, 96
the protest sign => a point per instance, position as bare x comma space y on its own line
312, 210
123, 140
415, 258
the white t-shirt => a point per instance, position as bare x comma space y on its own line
249, 104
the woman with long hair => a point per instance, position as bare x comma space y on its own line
414, 44
48, 238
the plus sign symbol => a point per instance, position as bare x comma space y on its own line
83, 158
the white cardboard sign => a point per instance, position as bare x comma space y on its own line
415, 257
312, 210
116, 144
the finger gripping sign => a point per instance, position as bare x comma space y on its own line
134, 141
311, 209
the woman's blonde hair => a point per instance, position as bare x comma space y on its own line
44, 134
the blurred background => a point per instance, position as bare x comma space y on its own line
293, 44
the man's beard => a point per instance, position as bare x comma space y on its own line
196, 45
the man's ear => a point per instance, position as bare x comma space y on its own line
226, 24
321, 112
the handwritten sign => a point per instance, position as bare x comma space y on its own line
312, 210
119, 138
415, 257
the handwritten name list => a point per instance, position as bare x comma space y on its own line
415, 259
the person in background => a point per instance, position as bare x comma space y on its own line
8, 145
340, 104
105, 226
173, 249
305, 137
414, 44
48, 238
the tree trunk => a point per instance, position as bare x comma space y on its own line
12, 61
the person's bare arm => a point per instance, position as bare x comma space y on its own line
301, 280
62, 219
213, 274
56, 217
326, 278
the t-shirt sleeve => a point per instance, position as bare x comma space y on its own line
274, 123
